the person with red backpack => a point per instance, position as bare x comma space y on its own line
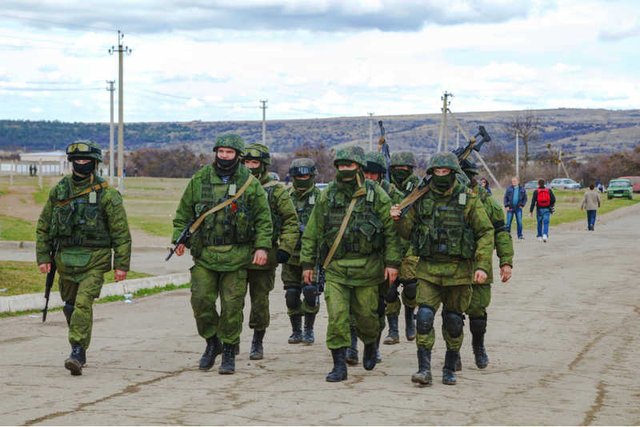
544, 200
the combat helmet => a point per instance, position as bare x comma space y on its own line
375, 162
403, 158
444, 160
258, 152
302, 166
351, 154
230, 140
84, 149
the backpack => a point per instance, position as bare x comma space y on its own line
544, 198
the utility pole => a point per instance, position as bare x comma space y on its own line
370, 131
121, 50
264, 121
517, 155
443, 136
111, 89
560, 161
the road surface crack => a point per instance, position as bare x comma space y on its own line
597, 405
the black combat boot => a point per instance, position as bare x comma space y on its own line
369, 356
393, 337
257, 351
378, 355
296, 329
478, 326
228, 364
449, 370
410, 323
423, 376
459, 363
68, 311
77, 359
339, 372
214, 348
352, 352
308, 338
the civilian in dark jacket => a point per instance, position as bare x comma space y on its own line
544, 201
515, 199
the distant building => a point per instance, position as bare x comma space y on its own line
45, 163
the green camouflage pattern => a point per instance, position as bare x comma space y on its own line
480, 300
304, 202
230, 140
403, 158
81, 269
95, 153
257, 152
444, 160
302, 162
439, 269
292, 278
351, 154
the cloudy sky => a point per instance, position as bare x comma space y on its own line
215, 59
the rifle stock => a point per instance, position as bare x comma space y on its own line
51, 275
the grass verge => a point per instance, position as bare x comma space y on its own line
16, 229
113, 298
23, 277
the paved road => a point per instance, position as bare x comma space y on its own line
563, 340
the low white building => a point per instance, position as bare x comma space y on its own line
45, 163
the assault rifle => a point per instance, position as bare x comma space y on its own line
462, 153
181, 240
383, 147
49, 283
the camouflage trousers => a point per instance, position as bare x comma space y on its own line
344, 301
382, 304
260, 283
407, 273
292, 278
452, 298
206, 286
480, 300
80, 289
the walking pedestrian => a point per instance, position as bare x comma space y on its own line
544, 201
591, 203
515, 199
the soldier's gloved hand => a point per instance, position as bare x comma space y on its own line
282, 256
45, 268
119, 275
479, 277
260, 257
180, 249
505, 273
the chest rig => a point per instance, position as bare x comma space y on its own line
440, 230
79, 221
364, 234
304, 204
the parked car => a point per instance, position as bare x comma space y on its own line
620, 188
635, 182
564, 184
531, 185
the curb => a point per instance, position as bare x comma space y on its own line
30, 244
36, 301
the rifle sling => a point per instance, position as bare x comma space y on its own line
345, 221
95, 187
413, 196
221, 206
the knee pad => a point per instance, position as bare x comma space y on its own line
424, 319
292, 298
381, 306
453, 323
392, 293
310, 293
478, 325
410, 289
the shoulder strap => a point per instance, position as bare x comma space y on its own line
221, 206
95, 187
413, 196
345, 221
270, 184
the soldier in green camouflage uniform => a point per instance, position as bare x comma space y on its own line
481, 297
85, 220
375, 170
367, 252
402, 166
261, 279
304, 194
223, 246
450, 231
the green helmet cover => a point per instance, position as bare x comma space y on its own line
403, 158
351, 154
375, 162
258, 152
444, 160
302, 166
84, 149
230, 140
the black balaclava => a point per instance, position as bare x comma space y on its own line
84, 170
226, 167
443, 183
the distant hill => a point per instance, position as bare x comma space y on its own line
579, 132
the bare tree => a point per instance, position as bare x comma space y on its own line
527, 125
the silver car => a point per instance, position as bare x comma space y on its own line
565, 184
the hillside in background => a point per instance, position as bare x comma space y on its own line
579, 132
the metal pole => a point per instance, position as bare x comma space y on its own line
264, 121
370, 131
517, 155
111, 89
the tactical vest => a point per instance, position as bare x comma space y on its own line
364, 234
304, 204
82, 221
232, 225
275, 218
440, 231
